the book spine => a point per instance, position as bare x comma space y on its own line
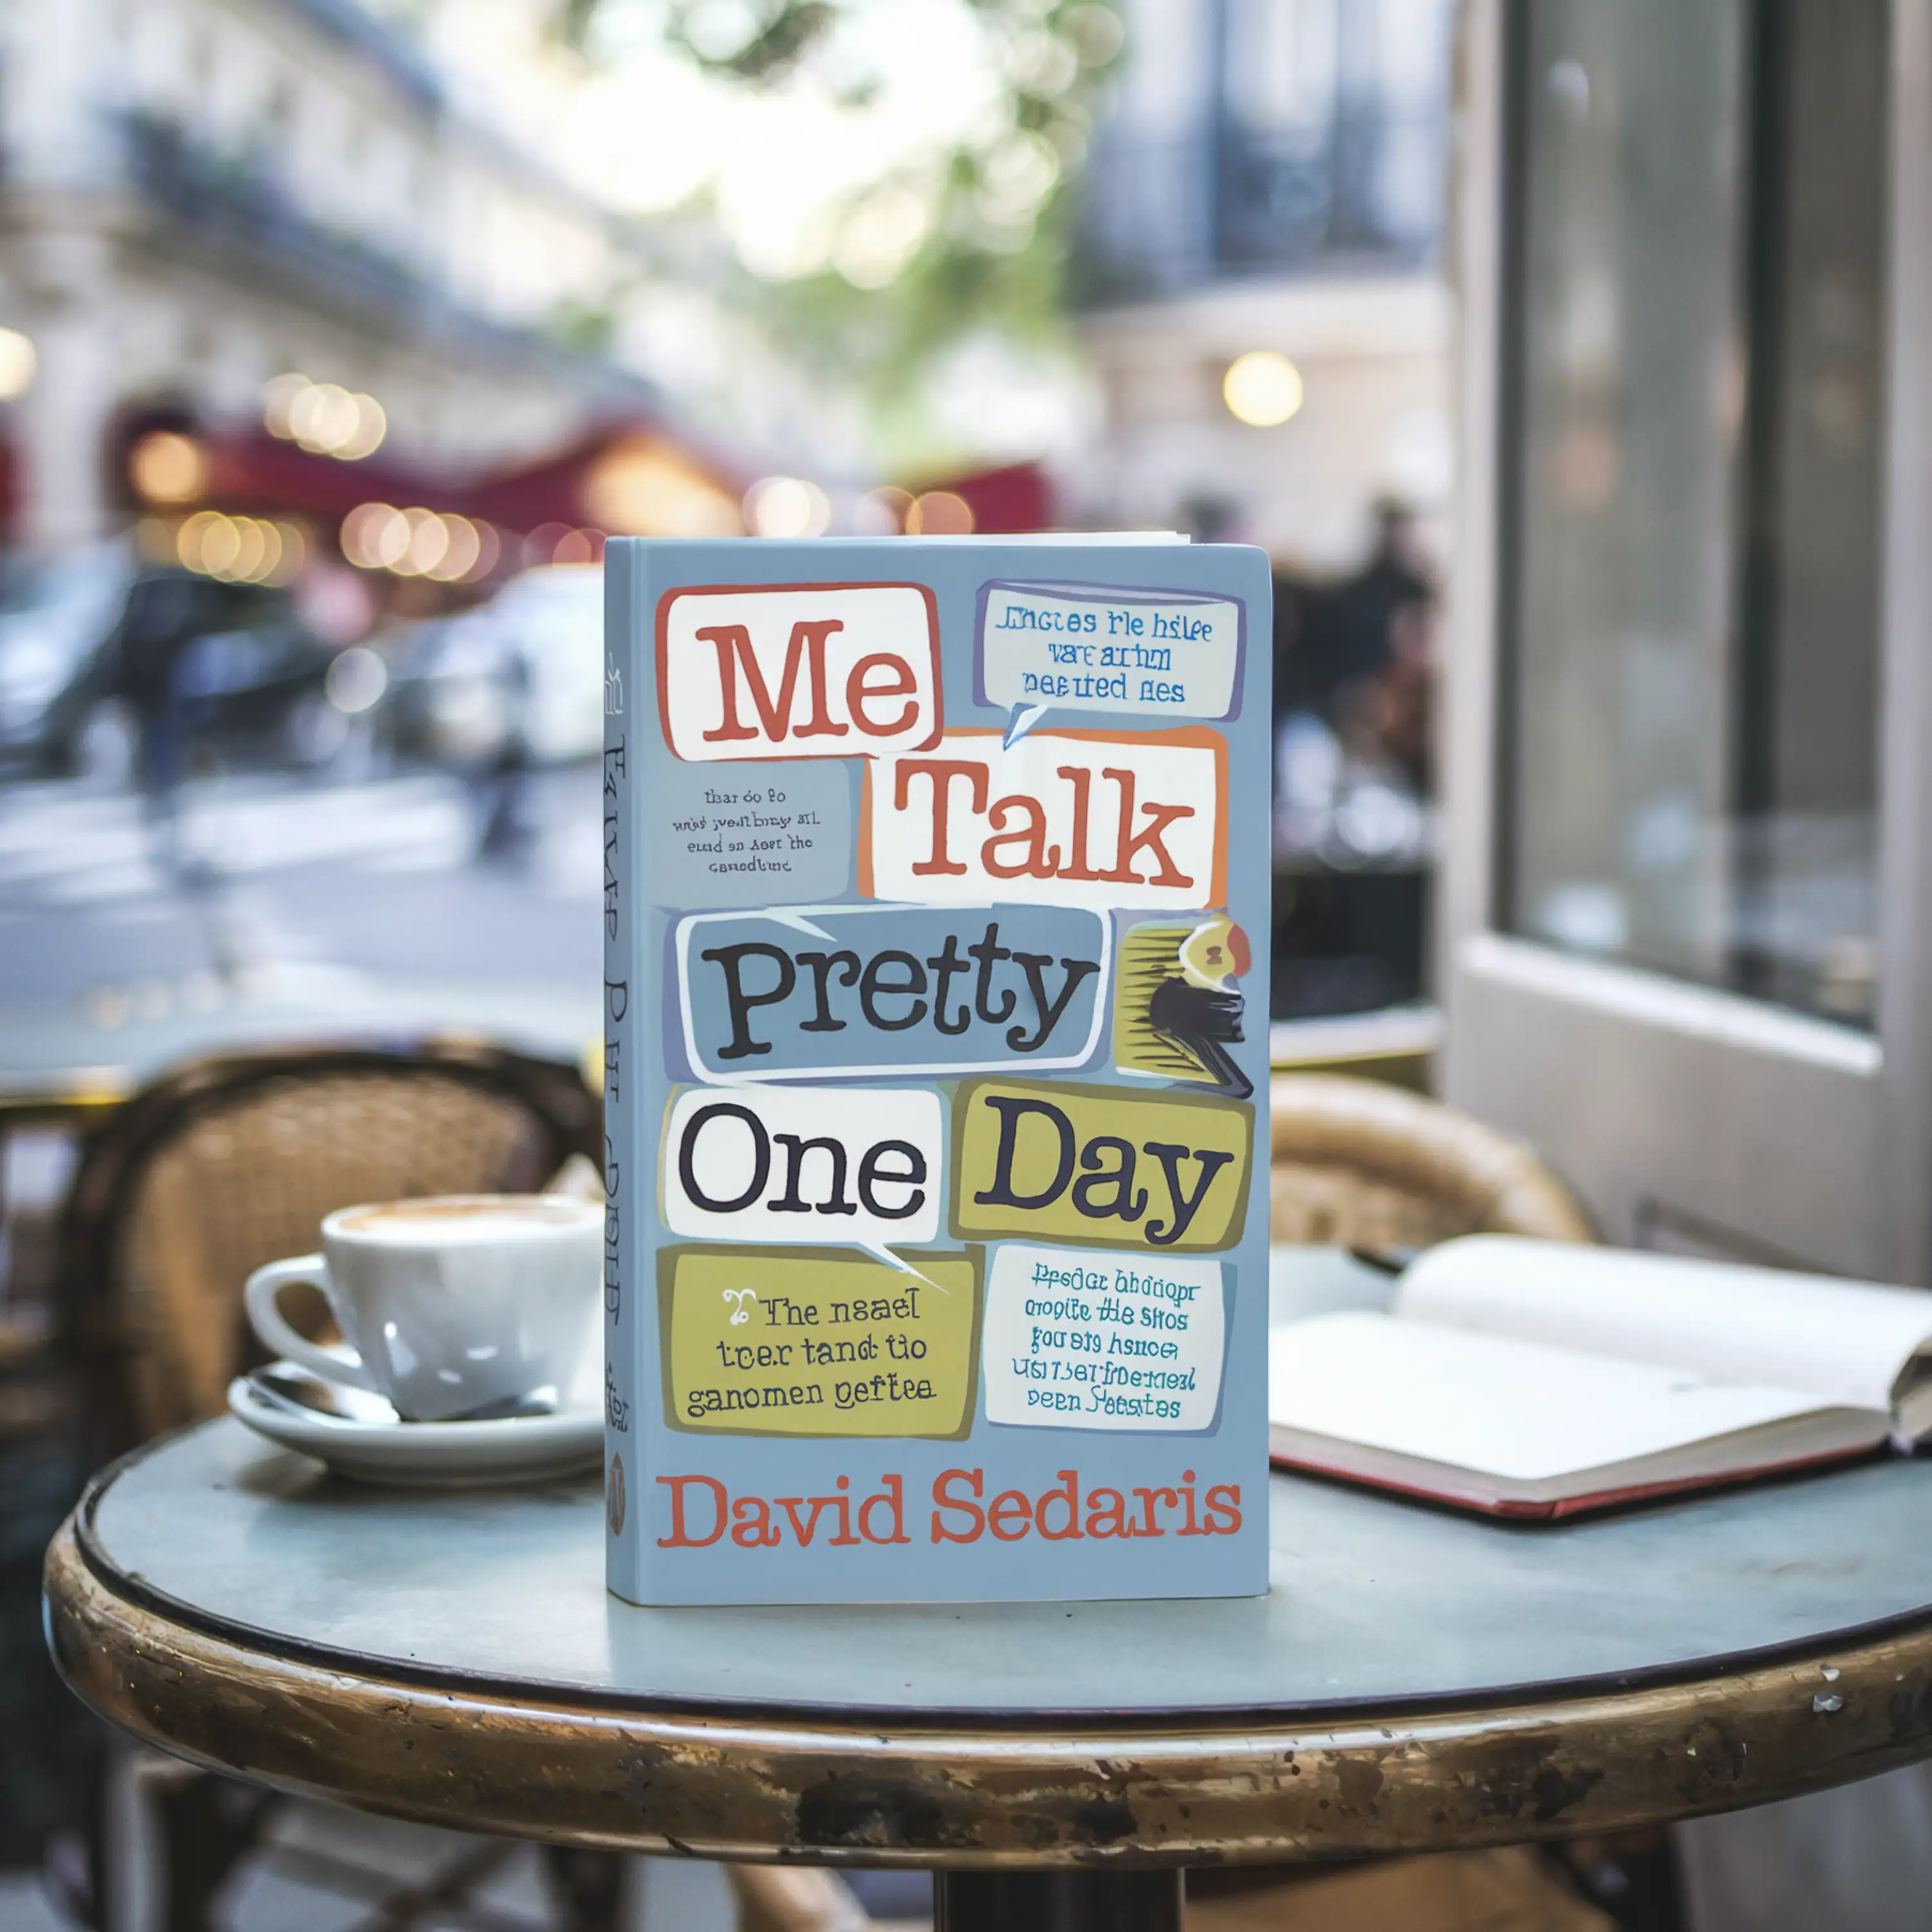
621, 1475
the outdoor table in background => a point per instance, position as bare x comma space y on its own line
1415, 1681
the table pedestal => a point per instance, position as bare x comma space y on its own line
1077, 1901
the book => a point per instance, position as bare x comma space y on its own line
1536, 1379
936, 1262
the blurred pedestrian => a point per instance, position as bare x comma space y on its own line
150, 649
505, 779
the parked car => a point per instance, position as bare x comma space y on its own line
249, 677
519, 678
56, 618
91, 644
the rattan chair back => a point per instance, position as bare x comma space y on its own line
1357, 1163
233, 1162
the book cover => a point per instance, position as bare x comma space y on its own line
936, 918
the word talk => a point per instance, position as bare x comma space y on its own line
1084, 819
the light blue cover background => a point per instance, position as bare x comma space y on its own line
639, 572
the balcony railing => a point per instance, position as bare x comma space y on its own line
1160, 217
236, 198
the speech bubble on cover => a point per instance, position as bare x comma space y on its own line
798, 670
829, 992
716, 839
791, 1342
1074, 1339
852, 1168
1147, 654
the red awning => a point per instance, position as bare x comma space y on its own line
253, 472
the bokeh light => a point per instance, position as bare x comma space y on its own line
939, 513
323, 418
1261, 389
240, 549
356, 679
418, 542
19, 359
881, 512
166, 467
642, 487
787, 506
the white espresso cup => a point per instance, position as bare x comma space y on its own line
451, 1304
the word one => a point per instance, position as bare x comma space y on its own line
854, 1168
782, 671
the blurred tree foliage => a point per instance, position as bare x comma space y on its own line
972, 242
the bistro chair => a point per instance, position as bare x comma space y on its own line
1360, 1164
231, 1162
179, 1194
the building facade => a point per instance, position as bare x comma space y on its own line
1270, 178
197, 196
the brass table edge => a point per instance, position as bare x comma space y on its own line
824, 1791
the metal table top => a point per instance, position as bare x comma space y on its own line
1413, 1678
1374, 1603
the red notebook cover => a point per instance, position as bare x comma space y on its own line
1560, 1507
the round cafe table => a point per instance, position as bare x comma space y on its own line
1415, 1679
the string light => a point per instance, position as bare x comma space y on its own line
323, 418
416, 542
239, 550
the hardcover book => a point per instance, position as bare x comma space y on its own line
936, 918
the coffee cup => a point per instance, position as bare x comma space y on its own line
450, 1305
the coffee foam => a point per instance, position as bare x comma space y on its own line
447, 1223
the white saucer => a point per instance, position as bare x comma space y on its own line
366, 1440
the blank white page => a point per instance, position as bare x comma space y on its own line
1520, 1410
1843, 1340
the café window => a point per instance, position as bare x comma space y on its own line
1691, 490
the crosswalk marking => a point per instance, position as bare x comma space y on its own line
60, 844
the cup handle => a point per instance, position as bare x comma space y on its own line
260, 1299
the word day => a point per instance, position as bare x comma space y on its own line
798, 671
1081, 818
1098, 1165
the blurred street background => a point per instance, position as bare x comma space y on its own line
337, 337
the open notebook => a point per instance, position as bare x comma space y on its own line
1534, 1379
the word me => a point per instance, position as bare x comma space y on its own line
787, 672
